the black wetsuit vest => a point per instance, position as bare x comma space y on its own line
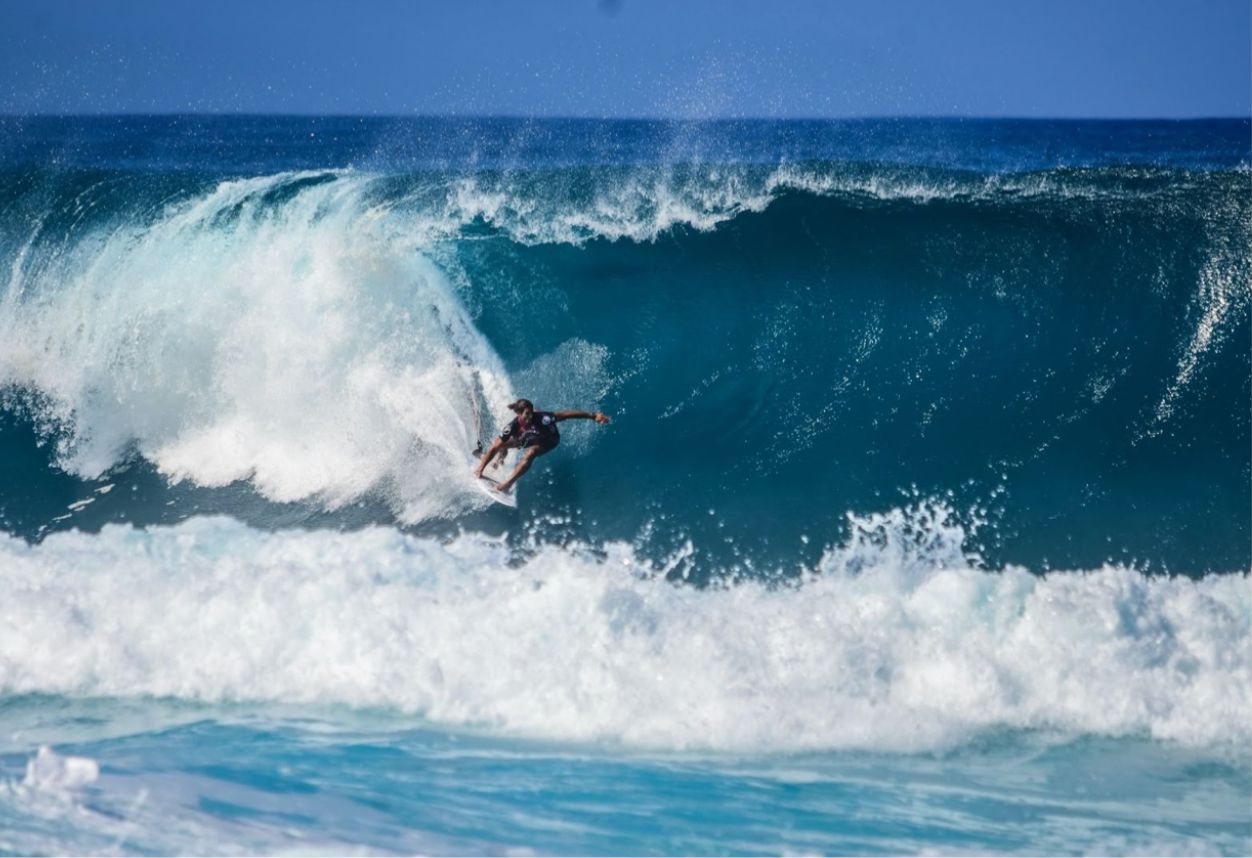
541, 431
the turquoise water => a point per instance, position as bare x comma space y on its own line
184, 778
922, 524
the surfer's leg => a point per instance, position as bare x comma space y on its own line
528, 456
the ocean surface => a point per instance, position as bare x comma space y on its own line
923, 524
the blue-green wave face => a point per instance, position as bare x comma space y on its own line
1039, 329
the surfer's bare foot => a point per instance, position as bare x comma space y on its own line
478, 473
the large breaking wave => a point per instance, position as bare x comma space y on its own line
1053, 339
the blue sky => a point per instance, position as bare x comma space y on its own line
669, 58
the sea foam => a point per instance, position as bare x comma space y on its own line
52, 772
896, 640
279, 330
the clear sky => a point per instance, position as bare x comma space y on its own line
669, 58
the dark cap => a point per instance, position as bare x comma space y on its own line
520, 406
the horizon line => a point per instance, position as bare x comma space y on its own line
624, 118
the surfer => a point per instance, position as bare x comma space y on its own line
532, 431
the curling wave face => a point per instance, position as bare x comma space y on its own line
275, 330
1024, 318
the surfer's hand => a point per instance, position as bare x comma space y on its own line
600, 417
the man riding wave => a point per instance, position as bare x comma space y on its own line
533, 431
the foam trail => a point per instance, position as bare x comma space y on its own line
895, 641
280, 329
1222, 296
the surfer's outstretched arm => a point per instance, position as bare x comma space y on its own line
598, 416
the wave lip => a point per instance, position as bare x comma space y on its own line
643, 203
895, 641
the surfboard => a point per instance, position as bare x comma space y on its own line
496, 473
487, 486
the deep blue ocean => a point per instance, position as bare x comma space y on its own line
923, 524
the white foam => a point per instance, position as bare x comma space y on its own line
644, 202
51, 772
896, 640
639, 205
304, 345
575, 375
1223, 293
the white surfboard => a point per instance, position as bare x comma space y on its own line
496, 473
487, 486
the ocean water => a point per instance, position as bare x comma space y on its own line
924, 522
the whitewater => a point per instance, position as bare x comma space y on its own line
922, 524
